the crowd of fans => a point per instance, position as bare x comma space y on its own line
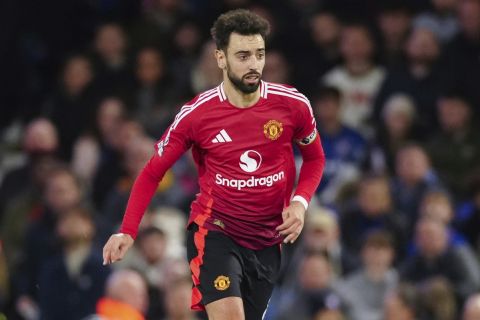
88, 87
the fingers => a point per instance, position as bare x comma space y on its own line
291, 237
292, 233
290, 223
286, 222
106, 254
112, 255
114, 250
293, 228
290, 228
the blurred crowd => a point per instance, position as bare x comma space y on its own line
87, 87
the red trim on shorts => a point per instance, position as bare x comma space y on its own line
195, 264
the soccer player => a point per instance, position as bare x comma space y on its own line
241, 134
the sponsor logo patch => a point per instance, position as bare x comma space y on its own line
250, 161
251, 182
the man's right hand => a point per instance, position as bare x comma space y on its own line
116, 247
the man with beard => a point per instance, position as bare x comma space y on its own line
241, 135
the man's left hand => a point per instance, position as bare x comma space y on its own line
293, 219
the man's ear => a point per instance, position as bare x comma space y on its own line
221, 58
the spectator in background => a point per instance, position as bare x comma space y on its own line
397, 129
471, 309
373, 210
71, 107
85, 159
170, 191
110, 119
413, 178
275, 40
171, 221
160, 255
126, 297
187, 43
322, 234
457, 131
276, 68
157, 23
133, 158
435, 257
345, 149
437, 205
24, 210
313, 292
422, 77
438, 299
205, 73
468, 218
322, 50
177, 300
394, 20
402, 303
21, 189
442, 21
150, 260
364, 291
110, 60
62, 193
153, 97
358, 78
463, 51
39, 142
71, 283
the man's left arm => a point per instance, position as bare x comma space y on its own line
310, 175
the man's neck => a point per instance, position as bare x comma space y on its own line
237, 97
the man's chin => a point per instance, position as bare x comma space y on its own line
244, 85
249, 88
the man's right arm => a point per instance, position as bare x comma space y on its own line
142, 192
144, 188
176, 140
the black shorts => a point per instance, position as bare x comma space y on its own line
221, 268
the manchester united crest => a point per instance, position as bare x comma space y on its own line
273, 129
222, 283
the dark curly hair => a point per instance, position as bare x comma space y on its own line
240, 21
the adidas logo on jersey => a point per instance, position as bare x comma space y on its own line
222, 136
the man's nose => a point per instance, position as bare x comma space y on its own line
254, 63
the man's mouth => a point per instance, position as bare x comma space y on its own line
252, 78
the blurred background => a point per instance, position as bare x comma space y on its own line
87, 86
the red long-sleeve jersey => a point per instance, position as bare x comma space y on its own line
244, 159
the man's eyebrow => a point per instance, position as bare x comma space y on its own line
242, 51
248, 51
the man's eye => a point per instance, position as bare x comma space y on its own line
243, 57
261, 55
